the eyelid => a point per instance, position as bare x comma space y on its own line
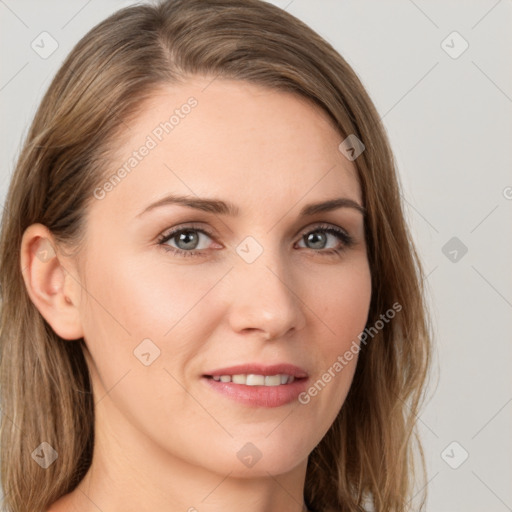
199, 226
321, 225
344, 238
184, 227
170, 233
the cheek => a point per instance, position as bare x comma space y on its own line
345, 303
143, 325
344, 306
131, 300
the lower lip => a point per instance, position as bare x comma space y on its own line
259, 396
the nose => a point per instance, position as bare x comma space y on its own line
265, 298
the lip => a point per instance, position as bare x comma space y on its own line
260, 369
259, 396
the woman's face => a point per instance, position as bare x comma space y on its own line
165, 316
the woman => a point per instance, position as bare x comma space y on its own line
210, 298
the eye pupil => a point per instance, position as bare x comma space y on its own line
315, 237
186, 237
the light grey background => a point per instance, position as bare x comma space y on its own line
450, 124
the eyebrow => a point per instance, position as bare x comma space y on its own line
220, 207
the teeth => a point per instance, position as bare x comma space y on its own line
256, 380
238, 379
273, 380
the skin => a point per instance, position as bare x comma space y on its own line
164, 440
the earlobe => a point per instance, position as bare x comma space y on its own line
53, 291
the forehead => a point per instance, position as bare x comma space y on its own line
218, 137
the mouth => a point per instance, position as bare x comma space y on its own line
251, 379
259, 386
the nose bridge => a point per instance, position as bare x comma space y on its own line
264, 295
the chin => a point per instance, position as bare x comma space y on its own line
260, 456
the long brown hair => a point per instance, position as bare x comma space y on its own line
366, 458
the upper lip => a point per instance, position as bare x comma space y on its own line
260, 369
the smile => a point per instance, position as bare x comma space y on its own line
252, 379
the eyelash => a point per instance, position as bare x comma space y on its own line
342, 235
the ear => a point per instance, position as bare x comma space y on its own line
53, 290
